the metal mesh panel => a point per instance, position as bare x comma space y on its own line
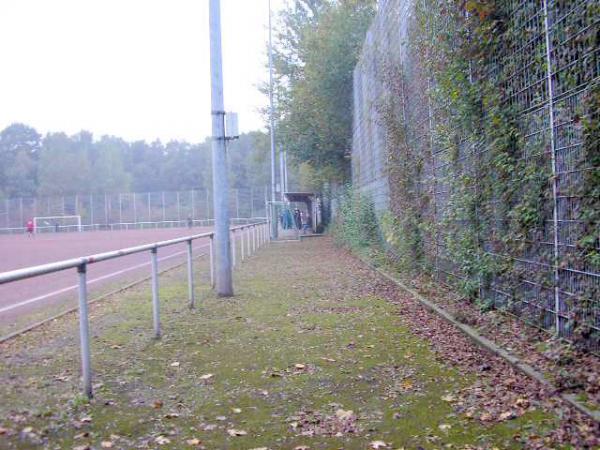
543, 71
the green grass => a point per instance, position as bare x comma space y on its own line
293, 306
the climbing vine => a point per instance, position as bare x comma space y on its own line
493, 183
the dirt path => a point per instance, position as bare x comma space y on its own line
315, 351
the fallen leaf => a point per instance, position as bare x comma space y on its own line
236, 410
3, 430
207, 376
175, 364
27, 430
486, 417
444, 427
299, 366
106, 444
344, 415
157, 404
87, 419
448, 398
302, 447
328, 359
162, 440
378, 444
507, 415
234, 432
193, 441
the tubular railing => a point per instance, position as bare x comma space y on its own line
255, 234
140, 225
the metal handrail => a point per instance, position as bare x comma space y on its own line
259, 235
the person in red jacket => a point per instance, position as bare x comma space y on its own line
30, 227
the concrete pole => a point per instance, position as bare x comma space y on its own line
285, 170
281, 172
224, 279
272, 132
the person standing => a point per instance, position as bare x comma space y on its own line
29, 227
298, 219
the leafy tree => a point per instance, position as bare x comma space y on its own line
19, 150
318, 44
63, 168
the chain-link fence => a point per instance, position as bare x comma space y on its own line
533, 253
130, 208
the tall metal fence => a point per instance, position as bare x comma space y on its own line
130, 207
543, 75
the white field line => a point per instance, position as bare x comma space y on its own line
95, 280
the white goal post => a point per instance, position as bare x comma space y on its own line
56, 223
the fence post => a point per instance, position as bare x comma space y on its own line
84, 332
155, 301
212, 262
253, 238
242, 246
248, 243
233, 247
193, 206
556, 256
92, 210
190, 275
135, 208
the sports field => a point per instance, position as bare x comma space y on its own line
24, 302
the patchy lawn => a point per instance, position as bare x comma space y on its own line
314, 351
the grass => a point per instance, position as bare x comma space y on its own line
297, 358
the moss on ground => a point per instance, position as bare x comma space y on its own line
296, 358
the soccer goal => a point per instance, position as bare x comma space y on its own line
56, 223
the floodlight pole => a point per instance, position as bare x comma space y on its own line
224, 282
272, 133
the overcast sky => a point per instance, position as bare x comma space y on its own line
138, 69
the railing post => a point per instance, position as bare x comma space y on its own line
190, 275
84, 332
253, 238
155, 301
212, 262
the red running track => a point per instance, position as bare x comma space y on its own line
26, 296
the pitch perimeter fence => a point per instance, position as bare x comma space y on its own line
546, 72
129, 209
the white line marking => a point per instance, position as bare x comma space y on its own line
103, 277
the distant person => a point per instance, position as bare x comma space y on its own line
56, 227
190, 222
306, 225
298, 219
30, 227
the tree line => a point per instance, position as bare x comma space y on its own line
59, 164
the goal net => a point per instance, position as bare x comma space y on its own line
52, 224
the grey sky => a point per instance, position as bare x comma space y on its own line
138, 69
